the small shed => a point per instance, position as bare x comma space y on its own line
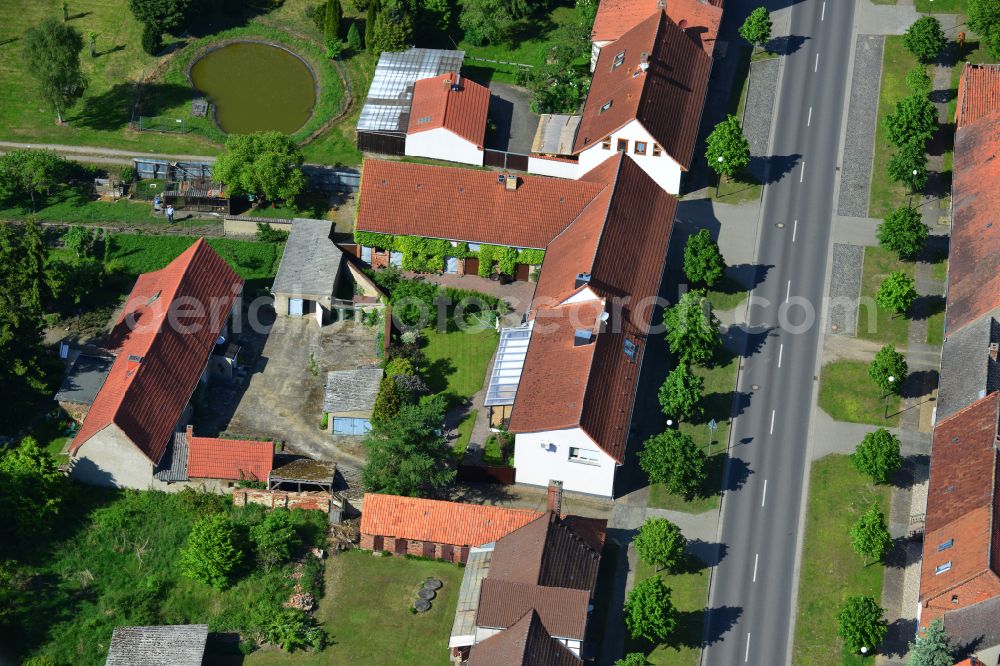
84, 378
307, 277
297, 473
349, 398
176, 644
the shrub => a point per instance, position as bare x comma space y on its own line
152, 39
274, 538
925, 39
388, 400
292, 629
268, 234
211, 553
399, 366
324, 421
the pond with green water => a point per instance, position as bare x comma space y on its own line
256, 87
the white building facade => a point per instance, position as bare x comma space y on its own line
569, 454
634, 140
443, 144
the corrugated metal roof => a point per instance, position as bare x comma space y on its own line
390, 96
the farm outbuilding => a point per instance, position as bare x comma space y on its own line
349, 398
309, 272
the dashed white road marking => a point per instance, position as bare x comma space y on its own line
746, 657
810, 118
795, 228
772, 422
755, 557
816, 66
803, 174
781, 350
788, 291
763, 497
822, 14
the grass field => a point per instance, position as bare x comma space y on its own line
689, 594
727, 294
941, 6
720, 384
113, 560
847, 394
140, 254
874, 322
365, 611
457, 360
831, 570
886, 196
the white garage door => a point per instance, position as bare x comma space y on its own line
349, 426
295, 307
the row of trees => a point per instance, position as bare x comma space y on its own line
649, 611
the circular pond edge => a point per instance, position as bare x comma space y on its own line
198, 55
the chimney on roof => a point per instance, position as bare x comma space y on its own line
582, 279
662, 4
644, 61
994, 347
555, 497
582, 336
510, 182
190, 433
457, 84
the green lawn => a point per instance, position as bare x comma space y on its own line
136, 254
847, 394
741, 188
875, 323
831, 570
896, 62
457, 360
941, 6
935, 327
112, 560
464, 434
689, 594
727, 294
70, 205
366, 613
720, 384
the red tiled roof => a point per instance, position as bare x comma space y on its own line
461, 111
236, 459
974, 268
616, 17
961, 495
171, 322
403, 198
527, 643
439, 521
593, 386
978, 93
667, 99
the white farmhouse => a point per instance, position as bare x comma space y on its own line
448, 119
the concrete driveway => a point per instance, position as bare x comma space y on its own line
282, 398
510, 110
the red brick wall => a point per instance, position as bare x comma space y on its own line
314, 500
416, 548
380, 258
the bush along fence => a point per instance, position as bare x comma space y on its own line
429, 255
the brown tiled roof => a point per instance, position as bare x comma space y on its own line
212, 458
978, 93
163, 338
547, 552
461, 111
562, 610
439, 521
960, 496
974, 266
469, 205
593, 386
526, 642
667, 99
616, 17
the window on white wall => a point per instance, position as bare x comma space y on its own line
657, 151
640, 148
587, 456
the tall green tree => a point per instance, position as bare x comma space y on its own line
266, 164
371, 18
727, 148
932, 647
681, 393
408, 454
914, 120
393, 30
211, 553
32, 495
332, 18
870, 536
80, 240
673, 459
897, 292
983, 18
756, 29
692, 328
925, 39
888, 363
162, 15
703, 262
354, 38
878, 456
274, 538
649, 612
487, 21
861, 624
908, 166
903, 232
51, 55
30, 172
661, 544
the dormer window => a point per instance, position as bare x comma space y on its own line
619, 59
607, 105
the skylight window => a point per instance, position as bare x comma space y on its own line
619, 59
423, 120
607, 105
946, 545
630, 349
941, 568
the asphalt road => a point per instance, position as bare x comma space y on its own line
750, 602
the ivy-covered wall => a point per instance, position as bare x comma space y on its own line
427, 255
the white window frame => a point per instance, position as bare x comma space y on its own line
941, 568
575, 456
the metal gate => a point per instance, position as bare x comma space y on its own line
504, 160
